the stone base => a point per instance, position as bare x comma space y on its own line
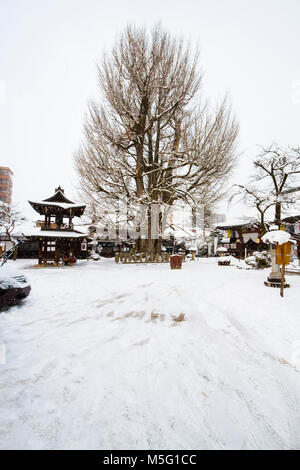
275, 283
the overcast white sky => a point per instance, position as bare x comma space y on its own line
48, 52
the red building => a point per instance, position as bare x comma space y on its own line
5, 184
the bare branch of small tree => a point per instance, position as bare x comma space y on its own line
10, 218
280, 169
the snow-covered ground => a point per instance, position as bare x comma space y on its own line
94, 359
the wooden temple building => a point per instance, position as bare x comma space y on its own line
58, 241
241, 240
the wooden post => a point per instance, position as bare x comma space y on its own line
15, 253
40, 251
282, 279
117, 257
141, 257
56, 257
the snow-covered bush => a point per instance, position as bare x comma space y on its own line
224, 261
95, 256
259, 260
221, 250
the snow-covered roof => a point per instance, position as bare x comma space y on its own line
59, 202
63, 205
37, 232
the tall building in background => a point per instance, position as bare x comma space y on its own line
5, 184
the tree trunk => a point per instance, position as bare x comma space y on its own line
262, 222
278, 214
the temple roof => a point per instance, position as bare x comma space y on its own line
58, 204
59, 196
292, 219
38, 233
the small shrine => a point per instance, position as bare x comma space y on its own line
242, 240
59, 242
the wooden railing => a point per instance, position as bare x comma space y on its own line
143, 258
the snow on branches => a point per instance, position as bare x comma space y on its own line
275, 181
152, 138
10, 218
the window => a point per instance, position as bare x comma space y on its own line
51, 245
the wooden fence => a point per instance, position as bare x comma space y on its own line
143, 258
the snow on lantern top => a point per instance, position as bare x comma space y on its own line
276, 236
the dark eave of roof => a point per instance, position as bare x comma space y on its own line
237, 226
292, 219
43, 208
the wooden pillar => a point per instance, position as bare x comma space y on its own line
40, 251
56, 255
15, 253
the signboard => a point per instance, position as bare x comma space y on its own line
283, 253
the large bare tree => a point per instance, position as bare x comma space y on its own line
151, 137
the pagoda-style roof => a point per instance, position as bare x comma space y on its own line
58, 204
59, 196
36, 233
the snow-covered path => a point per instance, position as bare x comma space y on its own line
95, 360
